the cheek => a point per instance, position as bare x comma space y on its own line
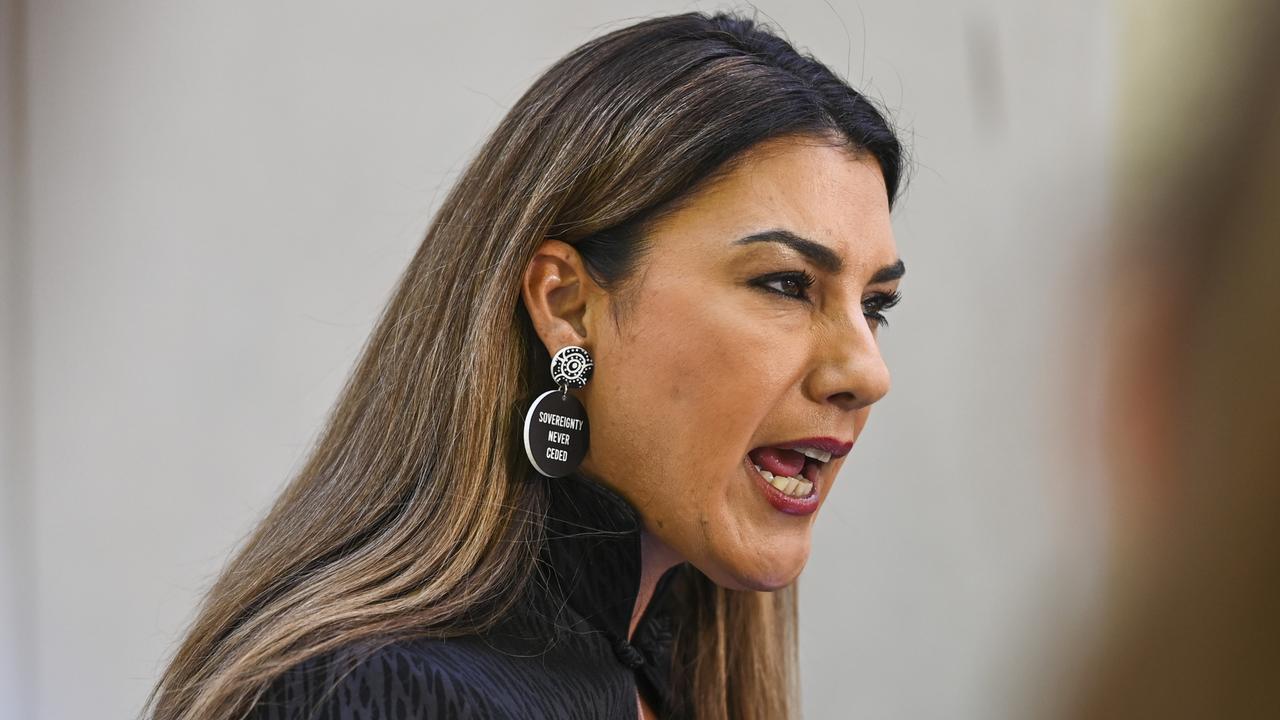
691, 383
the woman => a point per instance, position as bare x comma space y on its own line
693, 219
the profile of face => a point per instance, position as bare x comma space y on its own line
749, 341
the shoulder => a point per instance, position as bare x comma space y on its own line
404, 680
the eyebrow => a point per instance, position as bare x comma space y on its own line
819, 254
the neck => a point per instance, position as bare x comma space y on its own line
656, 557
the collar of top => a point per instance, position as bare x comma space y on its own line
593, 544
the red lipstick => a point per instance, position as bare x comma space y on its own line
837, 448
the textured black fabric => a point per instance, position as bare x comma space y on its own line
563, 654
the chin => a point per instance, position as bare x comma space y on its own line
762, 573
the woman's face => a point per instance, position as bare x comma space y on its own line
723, 353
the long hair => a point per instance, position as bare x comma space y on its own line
413, 514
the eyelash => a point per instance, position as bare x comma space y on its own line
801, 278
881, 301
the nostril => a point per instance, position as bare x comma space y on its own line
845, 400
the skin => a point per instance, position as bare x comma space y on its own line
705, 366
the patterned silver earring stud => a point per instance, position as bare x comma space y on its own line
571, 366
555, 428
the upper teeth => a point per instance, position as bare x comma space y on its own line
815, 454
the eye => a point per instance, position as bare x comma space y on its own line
873, 307
792, 284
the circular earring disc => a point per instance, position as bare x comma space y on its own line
555, 433
571, 365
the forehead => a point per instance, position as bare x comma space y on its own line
808, 186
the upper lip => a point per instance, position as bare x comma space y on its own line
837, 448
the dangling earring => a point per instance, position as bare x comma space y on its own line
555, 428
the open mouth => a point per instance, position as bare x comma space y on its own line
794, 472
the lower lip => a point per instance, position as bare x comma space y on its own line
780, 500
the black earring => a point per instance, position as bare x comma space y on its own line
555, 428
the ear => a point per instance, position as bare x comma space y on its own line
560, 295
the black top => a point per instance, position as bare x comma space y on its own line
562, 654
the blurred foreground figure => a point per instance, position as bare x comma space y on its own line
1193, 392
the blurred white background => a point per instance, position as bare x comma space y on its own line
204, 206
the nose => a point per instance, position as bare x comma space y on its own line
849, 371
